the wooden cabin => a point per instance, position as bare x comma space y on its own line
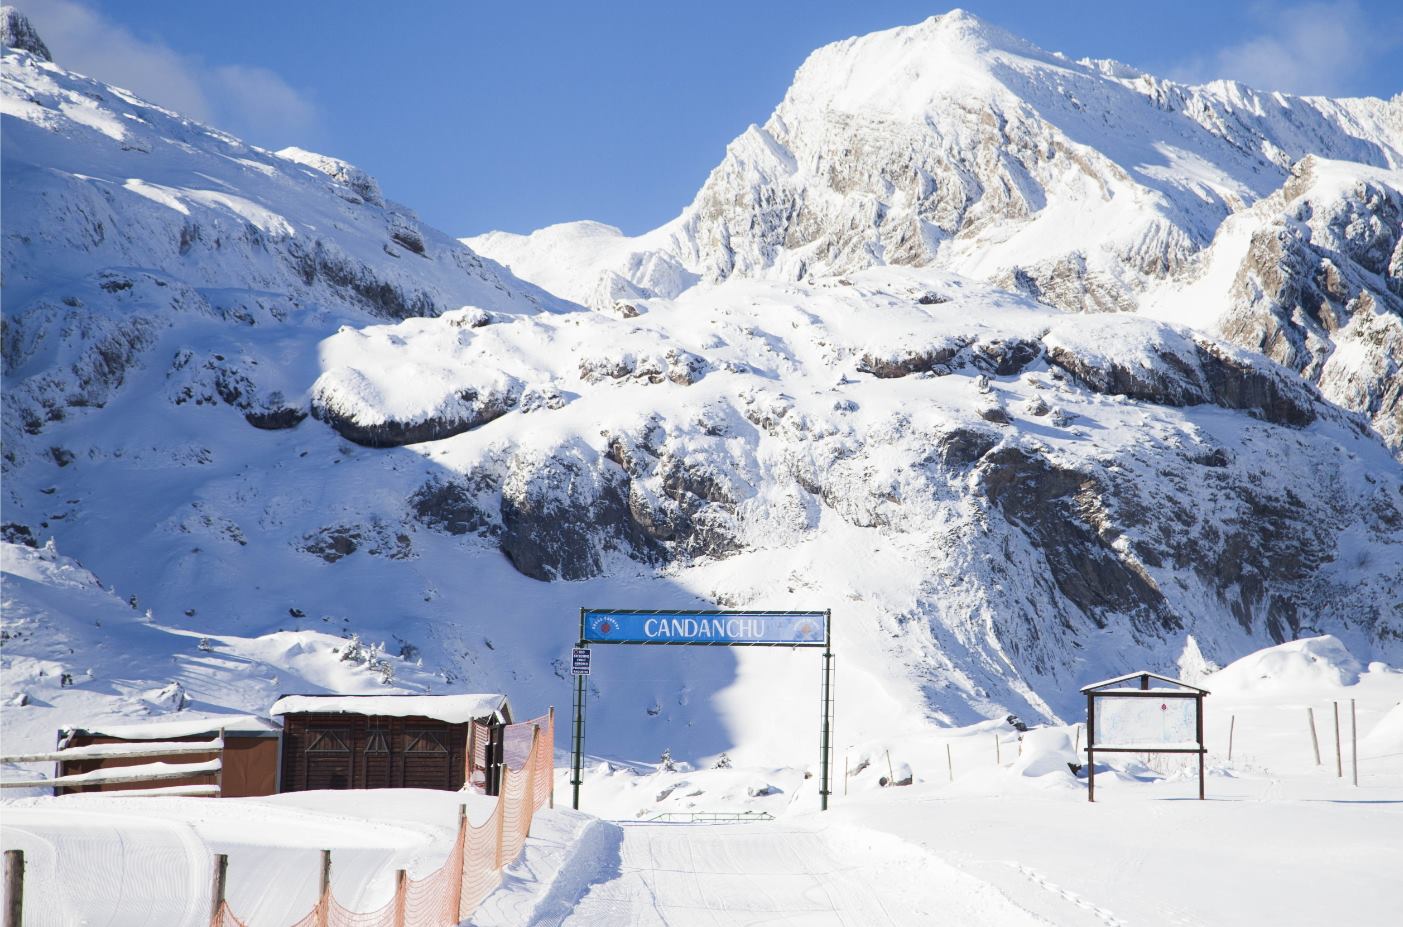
389, 741
248, 756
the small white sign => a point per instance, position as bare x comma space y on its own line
579, 661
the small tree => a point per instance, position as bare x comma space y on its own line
723, 762
666, 763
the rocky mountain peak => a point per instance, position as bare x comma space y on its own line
16, 32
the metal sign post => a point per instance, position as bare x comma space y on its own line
704, 629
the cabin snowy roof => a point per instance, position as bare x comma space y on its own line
167, 728
1107, 683
451, 709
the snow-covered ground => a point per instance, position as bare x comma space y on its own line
974, 840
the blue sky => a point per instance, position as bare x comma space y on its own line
518, 115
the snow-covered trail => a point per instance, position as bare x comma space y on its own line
749, 874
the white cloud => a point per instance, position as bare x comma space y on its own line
251, 102
1313, 48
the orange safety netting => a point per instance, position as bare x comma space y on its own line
480, 853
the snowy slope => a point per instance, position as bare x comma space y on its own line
296, 425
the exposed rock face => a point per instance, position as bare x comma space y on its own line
564, 514
16, 32
452, 507
1319, 287
1172, 368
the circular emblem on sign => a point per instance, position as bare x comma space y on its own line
603, 626
806, 630
1163, 707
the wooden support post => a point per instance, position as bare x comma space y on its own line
324, 894
950, 762
1339, 757
1090, 752
998, 753
1076, 738
400, 888
845, 775
1314, 740
1354, 741
1202, 747
470, 762
219, 773
216, 892
891, 775
1232, 726
14, 888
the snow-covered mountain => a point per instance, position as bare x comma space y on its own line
256, 398
1084, 184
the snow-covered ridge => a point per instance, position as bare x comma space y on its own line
124, 221
1088, 185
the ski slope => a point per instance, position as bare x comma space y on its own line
680, 875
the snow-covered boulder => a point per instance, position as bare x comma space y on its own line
1046, 751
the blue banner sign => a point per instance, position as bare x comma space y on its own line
775, 629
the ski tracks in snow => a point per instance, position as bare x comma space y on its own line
760, 874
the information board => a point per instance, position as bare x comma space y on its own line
1134, 721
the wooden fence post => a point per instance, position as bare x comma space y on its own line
1339, 757
950, 762
400, 877
550, 726
1354, 741
1232, 726
324, 895
14, 888
531, 761
1314, 740
501, 820
216, 893
891, 775
462, 861
845, 775
998, 752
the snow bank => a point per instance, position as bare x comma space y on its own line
452, 709
183, 727
1386, 737
1312, 663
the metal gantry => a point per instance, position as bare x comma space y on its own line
585, 639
